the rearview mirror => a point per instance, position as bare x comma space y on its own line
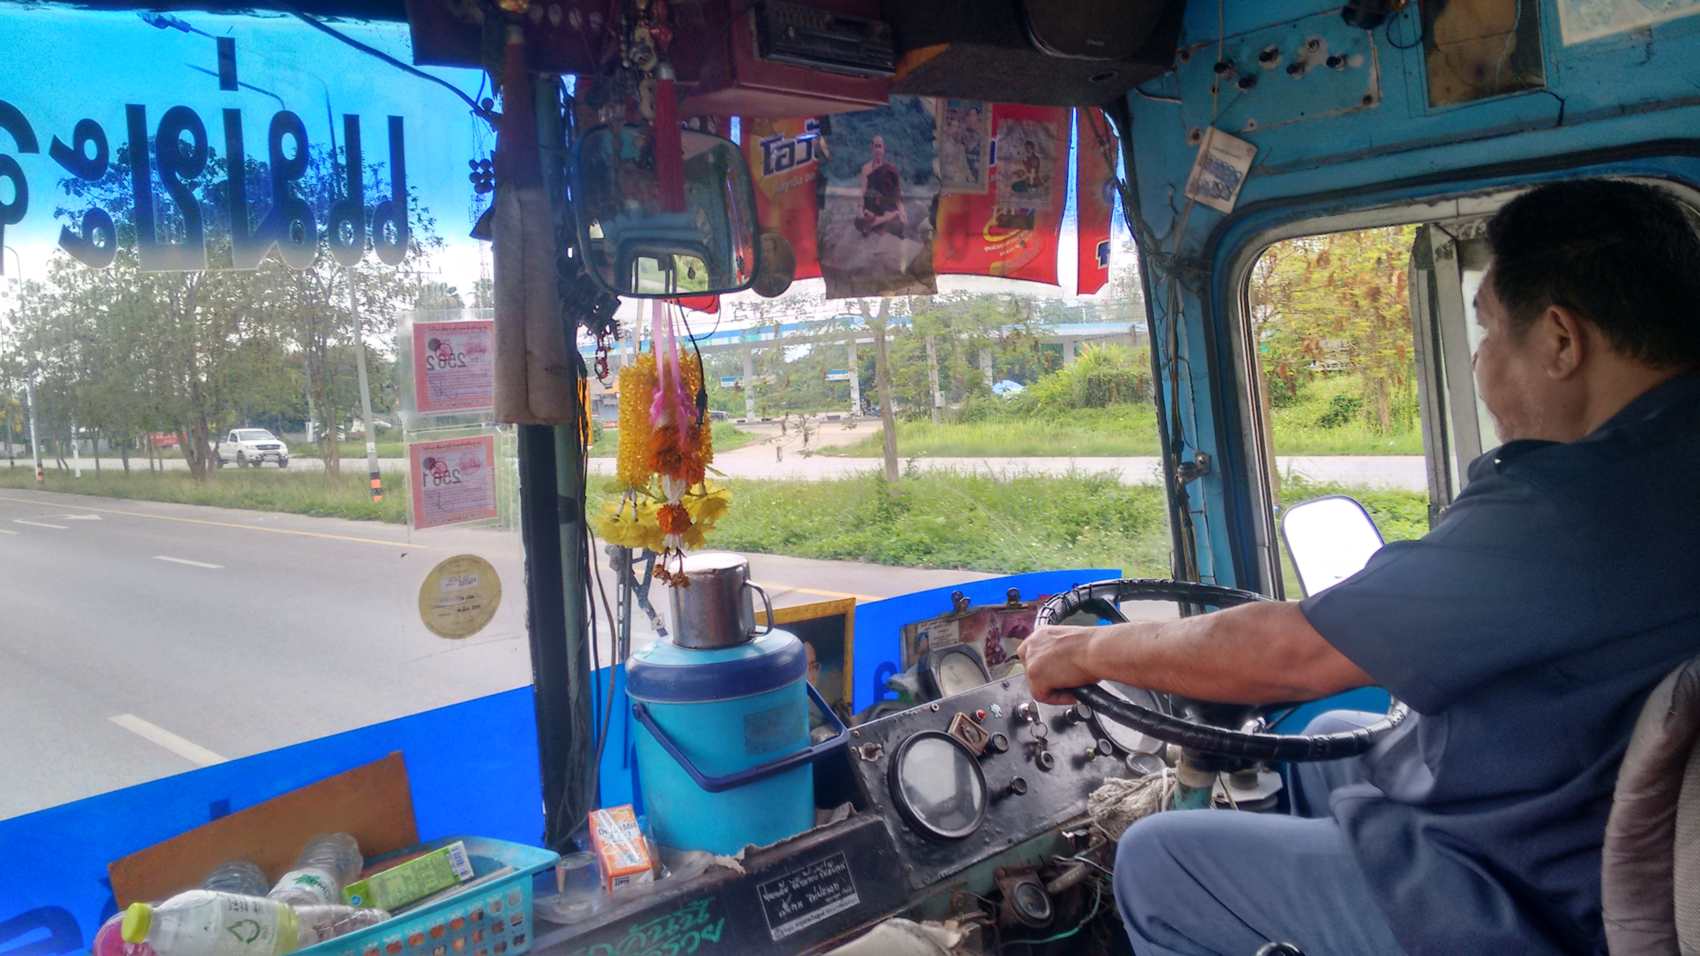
637, 242
1329, 539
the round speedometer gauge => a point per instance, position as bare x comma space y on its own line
937, 786
1130, 742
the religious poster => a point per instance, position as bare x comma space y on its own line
783, 159
1011, 228
964, 145
1220, 170
453, 367
452, 481
1094, 199
875, 227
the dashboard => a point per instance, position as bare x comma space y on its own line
959, 780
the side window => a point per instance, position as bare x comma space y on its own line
1337, 376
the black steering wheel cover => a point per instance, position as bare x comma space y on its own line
1185, 733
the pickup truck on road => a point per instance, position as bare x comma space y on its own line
251, 447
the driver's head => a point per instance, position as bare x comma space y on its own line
1590, 300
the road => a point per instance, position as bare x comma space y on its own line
142, 639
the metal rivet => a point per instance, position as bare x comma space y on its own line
935, 707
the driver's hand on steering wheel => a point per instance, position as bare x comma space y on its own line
1055, 658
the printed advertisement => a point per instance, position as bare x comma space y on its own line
1094, 199
783, 155
453, 367
1011, 228
452, 481
875, 229
995, 632
965, 139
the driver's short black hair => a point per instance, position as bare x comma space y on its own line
1622, 255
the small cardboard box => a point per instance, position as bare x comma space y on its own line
620, 847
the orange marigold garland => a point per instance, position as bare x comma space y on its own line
665, 449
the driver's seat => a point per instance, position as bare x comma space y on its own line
1650, 874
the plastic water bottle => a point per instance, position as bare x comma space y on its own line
315, 924
237, 876
206, 923
328, 863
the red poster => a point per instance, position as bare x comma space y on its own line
1010, 229
452, 481
453, 369
783, 157
1094, 199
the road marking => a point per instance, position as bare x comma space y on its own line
817, 591
39, 524
7, 531
153, 733
410, 546
78, 517
192, 564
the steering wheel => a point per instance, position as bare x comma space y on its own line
1206, 728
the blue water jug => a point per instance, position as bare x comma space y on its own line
723, 747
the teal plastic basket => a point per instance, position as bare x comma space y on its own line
490, 919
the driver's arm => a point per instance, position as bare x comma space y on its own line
1260, 653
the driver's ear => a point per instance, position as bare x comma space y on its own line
1565, 339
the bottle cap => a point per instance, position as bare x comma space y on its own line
138, 919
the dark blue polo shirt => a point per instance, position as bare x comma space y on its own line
1525, 631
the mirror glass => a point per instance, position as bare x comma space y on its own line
643, 237
941, 785
1329, 539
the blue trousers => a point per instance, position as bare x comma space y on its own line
1198, 882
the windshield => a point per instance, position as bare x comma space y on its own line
175, 599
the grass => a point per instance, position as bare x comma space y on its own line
269, 489
727, 437
1118, 432
930, 520
350, 449
1092, 433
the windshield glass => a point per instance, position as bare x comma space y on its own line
219, 224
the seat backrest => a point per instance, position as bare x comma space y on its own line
1650, 867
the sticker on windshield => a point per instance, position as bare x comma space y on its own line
453, 369
460, 596
452, 481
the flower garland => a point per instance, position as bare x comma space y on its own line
665, 504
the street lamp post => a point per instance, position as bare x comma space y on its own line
29, 376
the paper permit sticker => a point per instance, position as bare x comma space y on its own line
453, 367
1220, 170
452, 481
459, 596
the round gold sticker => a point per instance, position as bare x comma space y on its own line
460, 596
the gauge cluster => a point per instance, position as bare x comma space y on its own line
960, 779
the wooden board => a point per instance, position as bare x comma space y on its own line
373, 802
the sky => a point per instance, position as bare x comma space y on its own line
64, 65
68, 64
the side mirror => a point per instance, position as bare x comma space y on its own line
630, 238
1329, 539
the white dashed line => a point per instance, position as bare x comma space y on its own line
39, 524
153, 733
192, 564
7, 531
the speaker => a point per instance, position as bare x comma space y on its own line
1040, 52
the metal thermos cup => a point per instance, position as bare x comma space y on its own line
716, 609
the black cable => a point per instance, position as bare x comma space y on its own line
369, 50
1422, 31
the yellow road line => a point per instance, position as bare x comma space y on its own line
821, 593
240, 527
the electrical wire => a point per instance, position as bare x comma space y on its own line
409, 68
1097, 902
1422, 31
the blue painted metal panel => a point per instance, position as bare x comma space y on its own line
473, 767
879, 624
1318, 156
